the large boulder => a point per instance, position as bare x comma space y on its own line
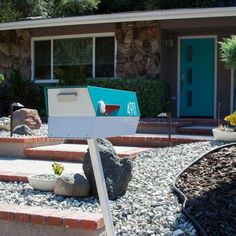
73, 185
5, 123
26, 116
22, 130
117, 172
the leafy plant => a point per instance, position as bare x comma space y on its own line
70, 76
8, 11
2, 79
231, 119
73, 7
17, 89
228, 51
57, 168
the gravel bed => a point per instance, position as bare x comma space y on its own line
43, 131
210, 188
149, 206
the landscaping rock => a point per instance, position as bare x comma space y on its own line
26, 116
117, 172
5, 123
178, 232
73, 185
22, 130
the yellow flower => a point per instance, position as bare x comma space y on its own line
231, 119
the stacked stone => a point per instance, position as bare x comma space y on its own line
138, 51
15, 52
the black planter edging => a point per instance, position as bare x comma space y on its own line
182, 196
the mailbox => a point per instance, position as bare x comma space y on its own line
91, 112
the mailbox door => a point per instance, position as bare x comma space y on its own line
69, 102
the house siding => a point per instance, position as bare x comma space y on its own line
71, 30
221, 28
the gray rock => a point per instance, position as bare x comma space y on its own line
74, 185
178, 232
22, 130
117, 172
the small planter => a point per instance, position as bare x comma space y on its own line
225, 136
42, 182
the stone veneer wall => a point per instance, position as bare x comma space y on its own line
138, 49
15, 52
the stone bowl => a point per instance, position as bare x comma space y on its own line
225, 136
42, 182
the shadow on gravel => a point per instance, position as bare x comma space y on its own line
215, 210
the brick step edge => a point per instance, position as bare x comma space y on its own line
64, 156
29, 139
183, 130
52, 217
53, 155
143, 141
45, 216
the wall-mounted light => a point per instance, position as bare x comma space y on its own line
169, 42
13, 106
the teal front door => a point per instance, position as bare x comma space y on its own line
197, 67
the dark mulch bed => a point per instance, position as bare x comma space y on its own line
210, 187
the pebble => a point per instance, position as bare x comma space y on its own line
149, 206
178, 232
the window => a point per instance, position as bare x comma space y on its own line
104, 61
42, 60
92, 56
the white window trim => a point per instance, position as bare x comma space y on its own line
233, 71
51, 38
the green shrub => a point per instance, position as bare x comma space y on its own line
153, 95
16, 89
2, 79
228, 51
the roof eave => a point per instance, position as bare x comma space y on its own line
122, 17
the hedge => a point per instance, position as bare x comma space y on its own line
153, 95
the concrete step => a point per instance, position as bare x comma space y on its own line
196, 130
74, 152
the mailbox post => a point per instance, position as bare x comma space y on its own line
91, 113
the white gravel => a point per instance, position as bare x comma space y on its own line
43, 131
149, 206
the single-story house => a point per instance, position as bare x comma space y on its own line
179, 45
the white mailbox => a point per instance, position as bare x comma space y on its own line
91, 112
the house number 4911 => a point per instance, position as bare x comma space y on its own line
131, 109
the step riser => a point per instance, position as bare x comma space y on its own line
28, 221
194, 131
14, 147
12, 228
54, 155
150, 142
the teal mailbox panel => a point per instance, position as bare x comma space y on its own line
91, 112
127, 101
